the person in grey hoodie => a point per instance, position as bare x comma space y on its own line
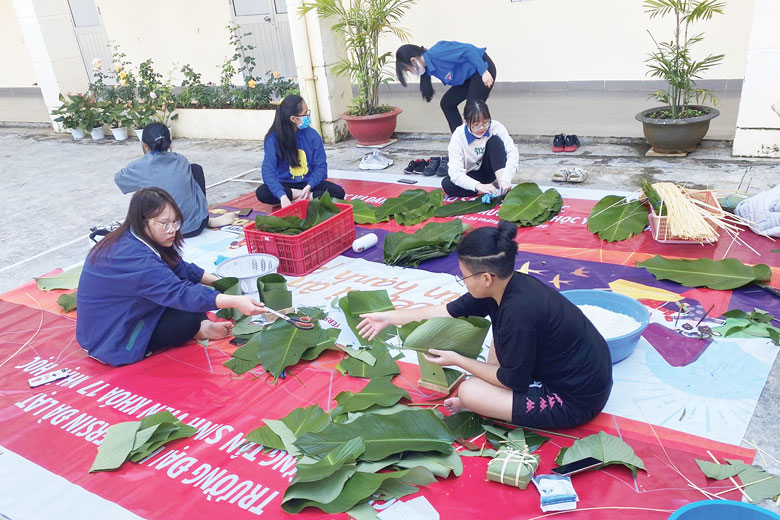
172, 172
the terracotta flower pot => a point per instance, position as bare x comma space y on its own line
372, 130
676, 135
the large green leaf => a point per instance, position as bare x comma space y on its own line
418, 430
116, 446
411, 202
464, 336
245, 327
299, 421
379, 391
439, 464
273, 291
365, 302
304, 494
67, 301
283, 346
66, 280
717, 471
291, 225
384, 364
768, 487
614, 218
434, 240
362, 212
319, 210
715, 274
327, 342
345, 454
240, 366
526, 205
606, 448
465, 424
466, 207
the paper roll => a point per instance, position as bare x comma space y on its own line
364, 242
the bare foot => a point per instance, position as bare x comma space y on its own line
214, 329
455, 405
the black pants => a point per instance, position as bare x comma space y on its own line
470, 89
493, 160
200, 178
175, 327
541, 407
265, 196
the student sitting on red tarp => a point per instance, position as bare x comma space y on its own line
137, 296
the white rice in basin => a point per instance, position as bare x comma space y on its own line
609, 323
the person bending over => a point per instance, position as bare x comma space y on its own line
483, 157
294, 165
172, 172
137, 296
548, 366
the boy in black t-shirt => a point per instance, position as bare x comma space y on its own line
548, 368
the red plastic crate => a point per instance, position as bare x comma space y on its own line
303, 253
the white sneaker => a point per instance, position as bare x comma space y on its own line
375, 161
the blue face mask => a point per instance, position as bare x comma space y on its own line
305, 122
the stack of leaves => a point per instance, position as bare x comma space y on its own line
356, 303
526, 205
318, 211
758, 484
466, 207
67, 280
714, 274
381, 450
604, 447
757, 323
462, 335
136, 440
411, 207
614, 218
363, 212
384, 364
273, 291
434, 240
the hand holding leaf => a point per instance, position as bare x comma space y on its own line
443, 358
373, 323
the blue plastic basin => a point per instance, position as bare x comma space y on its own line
722, 510
620, 347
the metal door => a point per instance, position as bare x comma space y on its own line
266, 20
90, 34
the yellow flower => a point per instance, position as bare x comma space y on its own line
251, 83
123, 82
117, 68
123, 74
276, 74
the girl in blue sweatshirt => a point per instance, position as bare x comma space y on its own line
466, 69
294, 165
137, 296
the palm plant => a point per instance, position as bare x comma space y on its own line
672, 61
360, 26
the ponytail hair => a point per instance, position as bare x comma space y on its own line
403, 62
286, 145
490, 249
157, 137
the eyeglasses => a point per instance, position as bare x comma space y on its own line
462, 279
480, 126
308, 113
168, 227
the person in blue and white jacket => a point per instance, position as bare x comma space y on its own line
466, 69
483, 157
137, 296
294, 165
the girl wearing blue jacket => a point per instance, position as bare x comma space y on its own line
294, 164
466, 69
137, 296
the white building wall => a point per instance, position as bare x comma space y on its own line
16, 69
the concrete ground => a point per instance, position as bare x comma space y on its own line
55, 188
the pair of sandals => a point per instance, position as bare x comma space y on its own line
573, 175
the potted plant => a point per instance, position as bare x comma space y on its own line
681, 123
118, 115
360, 27
69, 114
141, 114
93, 117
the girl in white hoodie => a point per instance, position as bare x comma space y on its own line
483, 157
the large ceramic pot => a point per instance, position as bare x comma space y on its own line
676, 135
372, 130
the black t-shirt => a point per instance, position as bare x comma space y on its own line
539, 335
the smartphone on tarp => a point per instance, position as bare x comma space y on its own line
577, 466
407, 181
245, 212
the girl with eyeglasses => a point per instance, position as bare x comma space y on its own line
483, 157
548, 366
172, 172
466, 69
137, 296
294, 164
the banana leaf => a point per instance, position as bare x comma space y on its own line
304, 494
414, 216
380, 391
439, 464
526, 205
346, 454
463, 335
466, 207
273, 291
718, 471
116, 446
229, 285
384, 435
66, 280
362, 212
358, 488
299, 421
363, 355
240, 366
714, 274
291, 225
319, 210
67, 301
384, 364
363, 511
769, 487
606, 448
465, 424
284, 345
245, 328
434, 240
410, 200
614, 218
328, 342
362, 302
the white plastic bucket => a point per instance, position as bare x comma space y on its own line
248, 268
